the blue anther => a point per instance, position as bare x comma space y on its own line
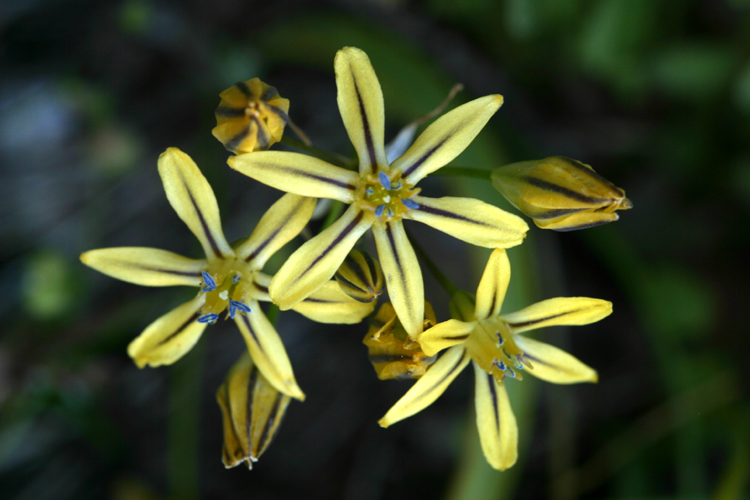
208, 318
501, 366
511, 373
236, 279
369, 191
208, 281
379, 210
390, 212
384, 181
500, 340
396, 186
240, 306
409, 203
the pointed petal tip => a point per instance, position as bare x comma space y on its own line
384, 423
500, 99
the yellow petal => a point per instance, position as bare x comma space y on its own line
315, 262
329, 304
193, 199
553, 364
574, 222
429, 387
252, 411
267, 350
559, 311
471, 220
446, 138
360, 102
145, 266
168, 338
493, 285
403, 277
261, 282
297, 173
444, 335
282, 222
498, 431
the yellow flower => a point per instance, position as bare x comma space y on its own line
360, 276
391, 351
230, 278
492, 341
560, 193
251, 117
380, 195
251, 410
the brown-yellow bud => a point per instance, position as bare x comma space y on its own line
560, 193
360, 277
251, 117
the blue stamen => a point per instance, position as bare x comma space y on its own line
390, 212
396, 186
369, 191
379, 210
240, 306
409, 203
236, 279
208, 281
384, 181
500, 340
501, 366
511, 373
208, 318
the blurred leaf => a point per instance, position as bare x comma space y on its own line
742, 89
136, 16
49, 286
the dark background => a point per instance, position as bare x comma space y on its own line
654, 94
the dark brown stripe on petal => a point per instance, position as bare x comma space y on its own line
179, 330
583, 226
242, 87
494, 299
446, 376
371, 266
551, 214
252, 332
457, 337
273, 235
238, 453
365, 127
261, 133
346, 282
260, 287
269, 94
294, 171
252, 381
319, 301
424, 158
387, 358
235, 141
204, 225
358, 272
493, 394
268, 434
590, 171
534, 322
397, 257
168, 271
569, 193
348, 229
230, 112
277, 111
450, 215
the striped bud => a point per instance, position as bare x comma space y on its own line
360, 277
392, 352
560, 193
251, 117
252, 411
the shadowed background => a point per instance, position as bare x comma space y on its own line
654, 94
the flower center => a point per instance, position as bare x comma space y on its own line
387, 196
492, 346
228, 284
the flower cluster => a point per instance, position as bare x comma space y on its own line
328, 280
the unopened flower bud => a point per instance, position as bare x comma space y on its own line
251, 117
360, 277
560, 193
392, 352
252, 410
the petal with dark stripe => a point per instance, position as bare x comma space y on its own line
329, 304
315, 262
552, 364
444, 335
145, 266
282, 222
558, 311
446, 138
471, 220
493, 285
193, 199
297, 173
168, 338
267, 350
498, 431
429, 387
403, 277
360, 101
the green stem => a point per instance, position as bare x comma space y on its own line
456, 171
333, 214
272, 313
332, 158
441, 278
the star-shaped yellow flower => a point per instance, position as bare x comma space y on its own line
491, 341
381, 194
230, 278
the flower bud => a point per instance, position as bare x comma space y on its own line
360, 277
560, 193
251, 117
252, 410
392, 352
